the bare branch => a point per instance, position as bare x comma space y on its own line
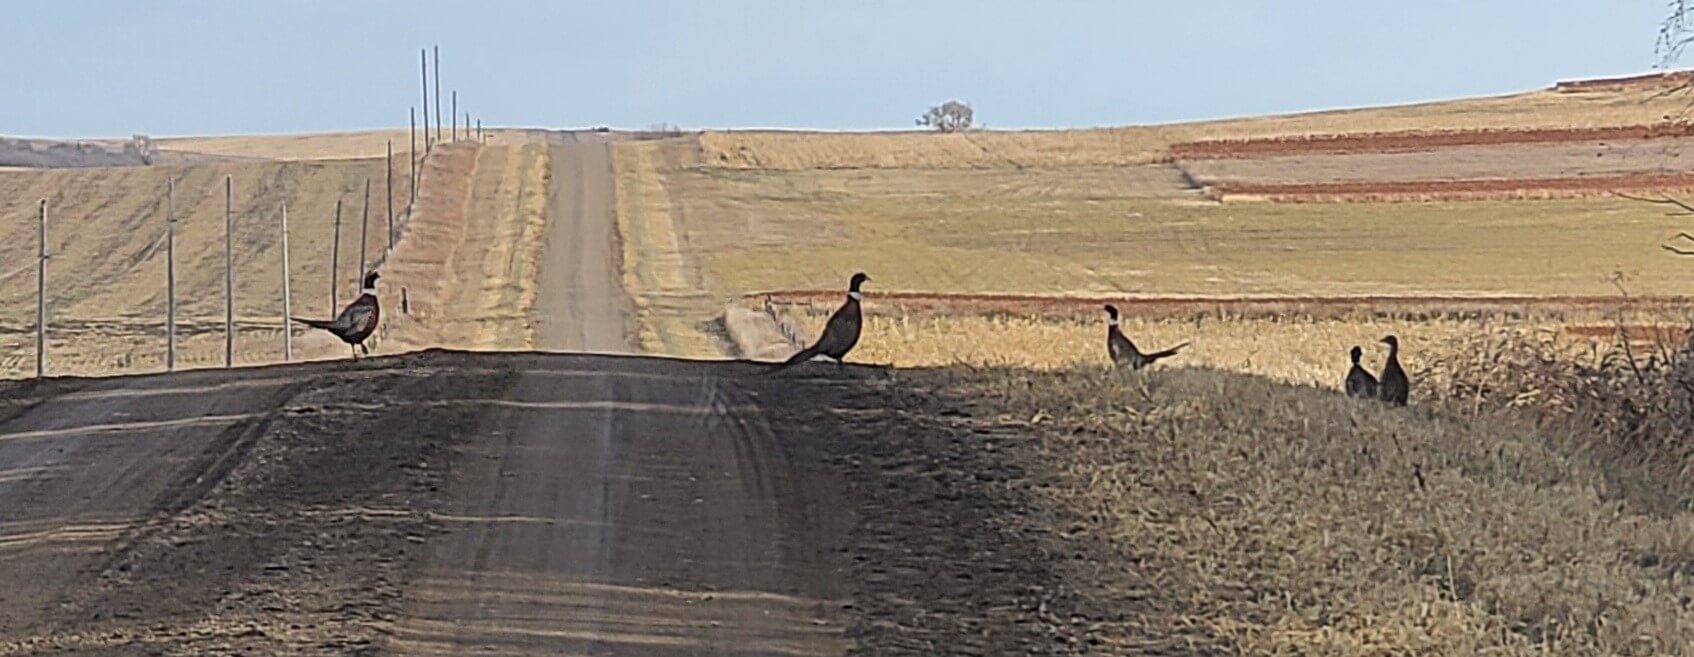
1687, 208
1682, 236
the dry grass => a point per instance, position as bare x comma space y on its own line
106, 227
314, 146
1111, 231
1147, 144
469, 261
1236, 515
1203, 511
465, 259
1483, 162
1090, 213
1305, 351
661, 276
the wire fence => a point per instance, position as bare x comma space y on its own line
393, 221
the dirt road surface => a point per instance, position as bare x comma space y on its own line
624, 510
580, 305
443, 503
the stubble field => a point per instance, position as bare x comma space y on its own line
1232, 500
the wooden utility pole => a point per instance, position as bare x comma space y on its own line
437, 95
453, 114
364, 225
229, 271
41, 294
170, 274
412, 154
423, 63
479, 130
389, 186
335, 262
287, 335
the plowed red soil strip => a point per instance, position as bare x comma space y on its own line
1399, 142
1313, 306
1458, 189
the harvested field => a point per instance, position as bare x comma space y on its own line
1417, 141
1646, 162
1024, 240
318, 145
1465, 166
1383, 191
1623, 111
1112, 232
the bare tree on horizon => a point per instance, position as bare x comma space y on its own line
951, 116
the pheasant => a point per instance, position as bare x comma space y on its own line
840, 334
357, 321
1395, 387
1360, 384
1122, 351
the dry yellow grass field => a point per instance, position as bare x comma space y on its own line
766, 150
1203, 512
1299, 351
465, 257
106, 252
1093, 213
314, 146
1130, 231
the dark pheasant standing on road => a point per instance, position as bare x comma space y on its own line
839, 334
1123, 351
1360, 384
356, 322
1395, 387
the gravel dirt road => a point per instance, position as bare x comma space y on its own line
446, 502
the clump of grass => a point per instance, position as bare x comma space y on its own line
1626, 403
1241, 515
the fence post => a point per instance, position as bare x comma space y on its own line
388, 185
41, 294
229, 271
287, 335
364, 225
412, 154
423, 67
170, 274
335, 262
453, 114
437, 99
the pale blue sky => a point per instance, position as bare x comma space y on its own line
76, 68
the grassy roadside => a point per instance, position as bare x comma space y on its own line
672, 310
1218, 513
